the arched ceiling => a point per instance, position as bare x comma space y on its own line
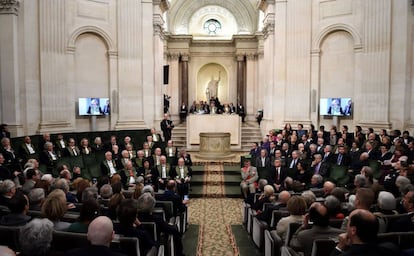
181, 13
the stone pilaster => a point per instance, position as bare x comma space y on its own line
10, 90
53, 75
131, 70
241, 85
372, 101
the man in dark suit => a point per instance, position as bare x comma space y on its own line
186, 157
166, 127
171, 195
27, 150
241, 112
263, 164
278, 176
360, 238
302, 240
405, 223
161, 173
48, 157
108, 166
182, 175
342, 158
4, 131
12, 159
183, 112
100, 234
319, 167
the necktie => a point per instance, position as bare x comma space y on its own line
339, 159
317, 168
277, 175
74, 152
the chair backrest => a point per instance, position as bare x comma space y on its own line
293, 226
127, 245
63, 241
276, 216
323, 247
168, 207
151, 228
391, 219
404, 240
9, 236
159, 212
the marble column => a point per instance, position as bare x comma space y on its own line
241, 88
9, 67
184, 79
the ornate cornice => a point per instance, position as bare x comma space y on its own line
9, 7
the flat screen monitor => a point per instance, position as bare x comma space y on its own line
335, 107
94, 106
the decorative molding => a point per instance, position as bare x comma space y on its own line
337, 27
9, 7
90, 29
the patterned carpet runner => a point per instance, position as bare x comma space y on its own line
215, 214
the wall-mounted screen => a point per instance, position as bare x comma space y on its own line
335, 107
94, 106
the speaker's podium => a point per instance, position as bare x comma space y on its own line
208, 123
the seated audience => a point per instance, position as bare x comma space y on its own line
7, 191
296, 207
405, 224
54, 207
100, 234
19, 206
32, 176
182, 175
334, 207
361, 236
146, 204
130, 226
171, 195
36, 237
89, 210
302, 240
36, 198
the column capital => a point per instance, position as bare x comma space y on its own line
9, 7
173, 55
185, 57
240, 57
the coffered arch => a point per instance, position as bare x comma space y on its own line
244, 12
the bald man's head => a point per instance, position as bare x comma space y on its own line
284, 197
101, 231
362, 226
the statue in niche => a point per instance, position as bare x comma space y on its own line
212, 88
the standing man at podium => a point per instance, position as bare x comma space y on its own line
166, 127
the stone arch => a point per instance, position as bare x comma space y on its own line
244, 11
316, 46
209, 71
94, 30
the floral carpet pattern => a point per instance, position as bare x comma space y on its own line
215, 214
